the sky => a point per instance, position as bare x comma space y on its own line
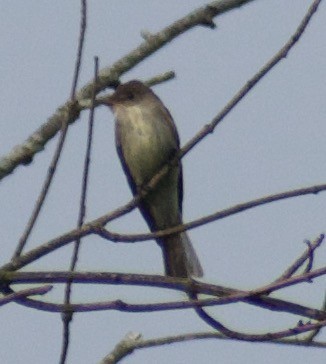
273, 141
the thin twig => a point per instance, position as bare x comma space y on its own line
311, 253
66, 315
163, 77
81, 41
24, 294
125, 347
43, 194
300, 261
217, 325
282, 53
160, 78
54, 163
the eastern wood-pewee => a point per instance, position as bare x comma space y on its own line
146, 138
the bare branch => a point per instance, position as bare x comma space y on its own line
67, 316
98, 229
64, 128
217, 325
108, 77
122, 349
213, 335
46, 185
141, 344
300, 261
255, 297
160, 78
24, 294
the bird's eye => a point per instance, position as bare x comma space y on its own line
130, 96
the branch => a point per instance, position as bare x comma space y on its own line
136, 342
24, 294
255, 297
95, 226
109, 76
125, 347
130, 238
299, 329
311, 337
299, 262
67, 316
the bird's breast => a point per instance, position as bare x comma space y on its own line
145, 139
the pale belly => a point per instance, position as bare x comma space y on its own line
146, 143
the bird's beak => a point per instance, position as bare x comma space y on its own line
105, 100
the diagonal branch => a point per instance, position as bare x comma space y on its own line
300, 261
109, 76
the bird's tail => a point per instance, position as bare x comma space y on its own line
180, 258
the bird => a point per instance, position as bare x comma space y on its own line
147, 139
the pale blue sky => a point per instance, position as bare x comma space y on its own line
273, 141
